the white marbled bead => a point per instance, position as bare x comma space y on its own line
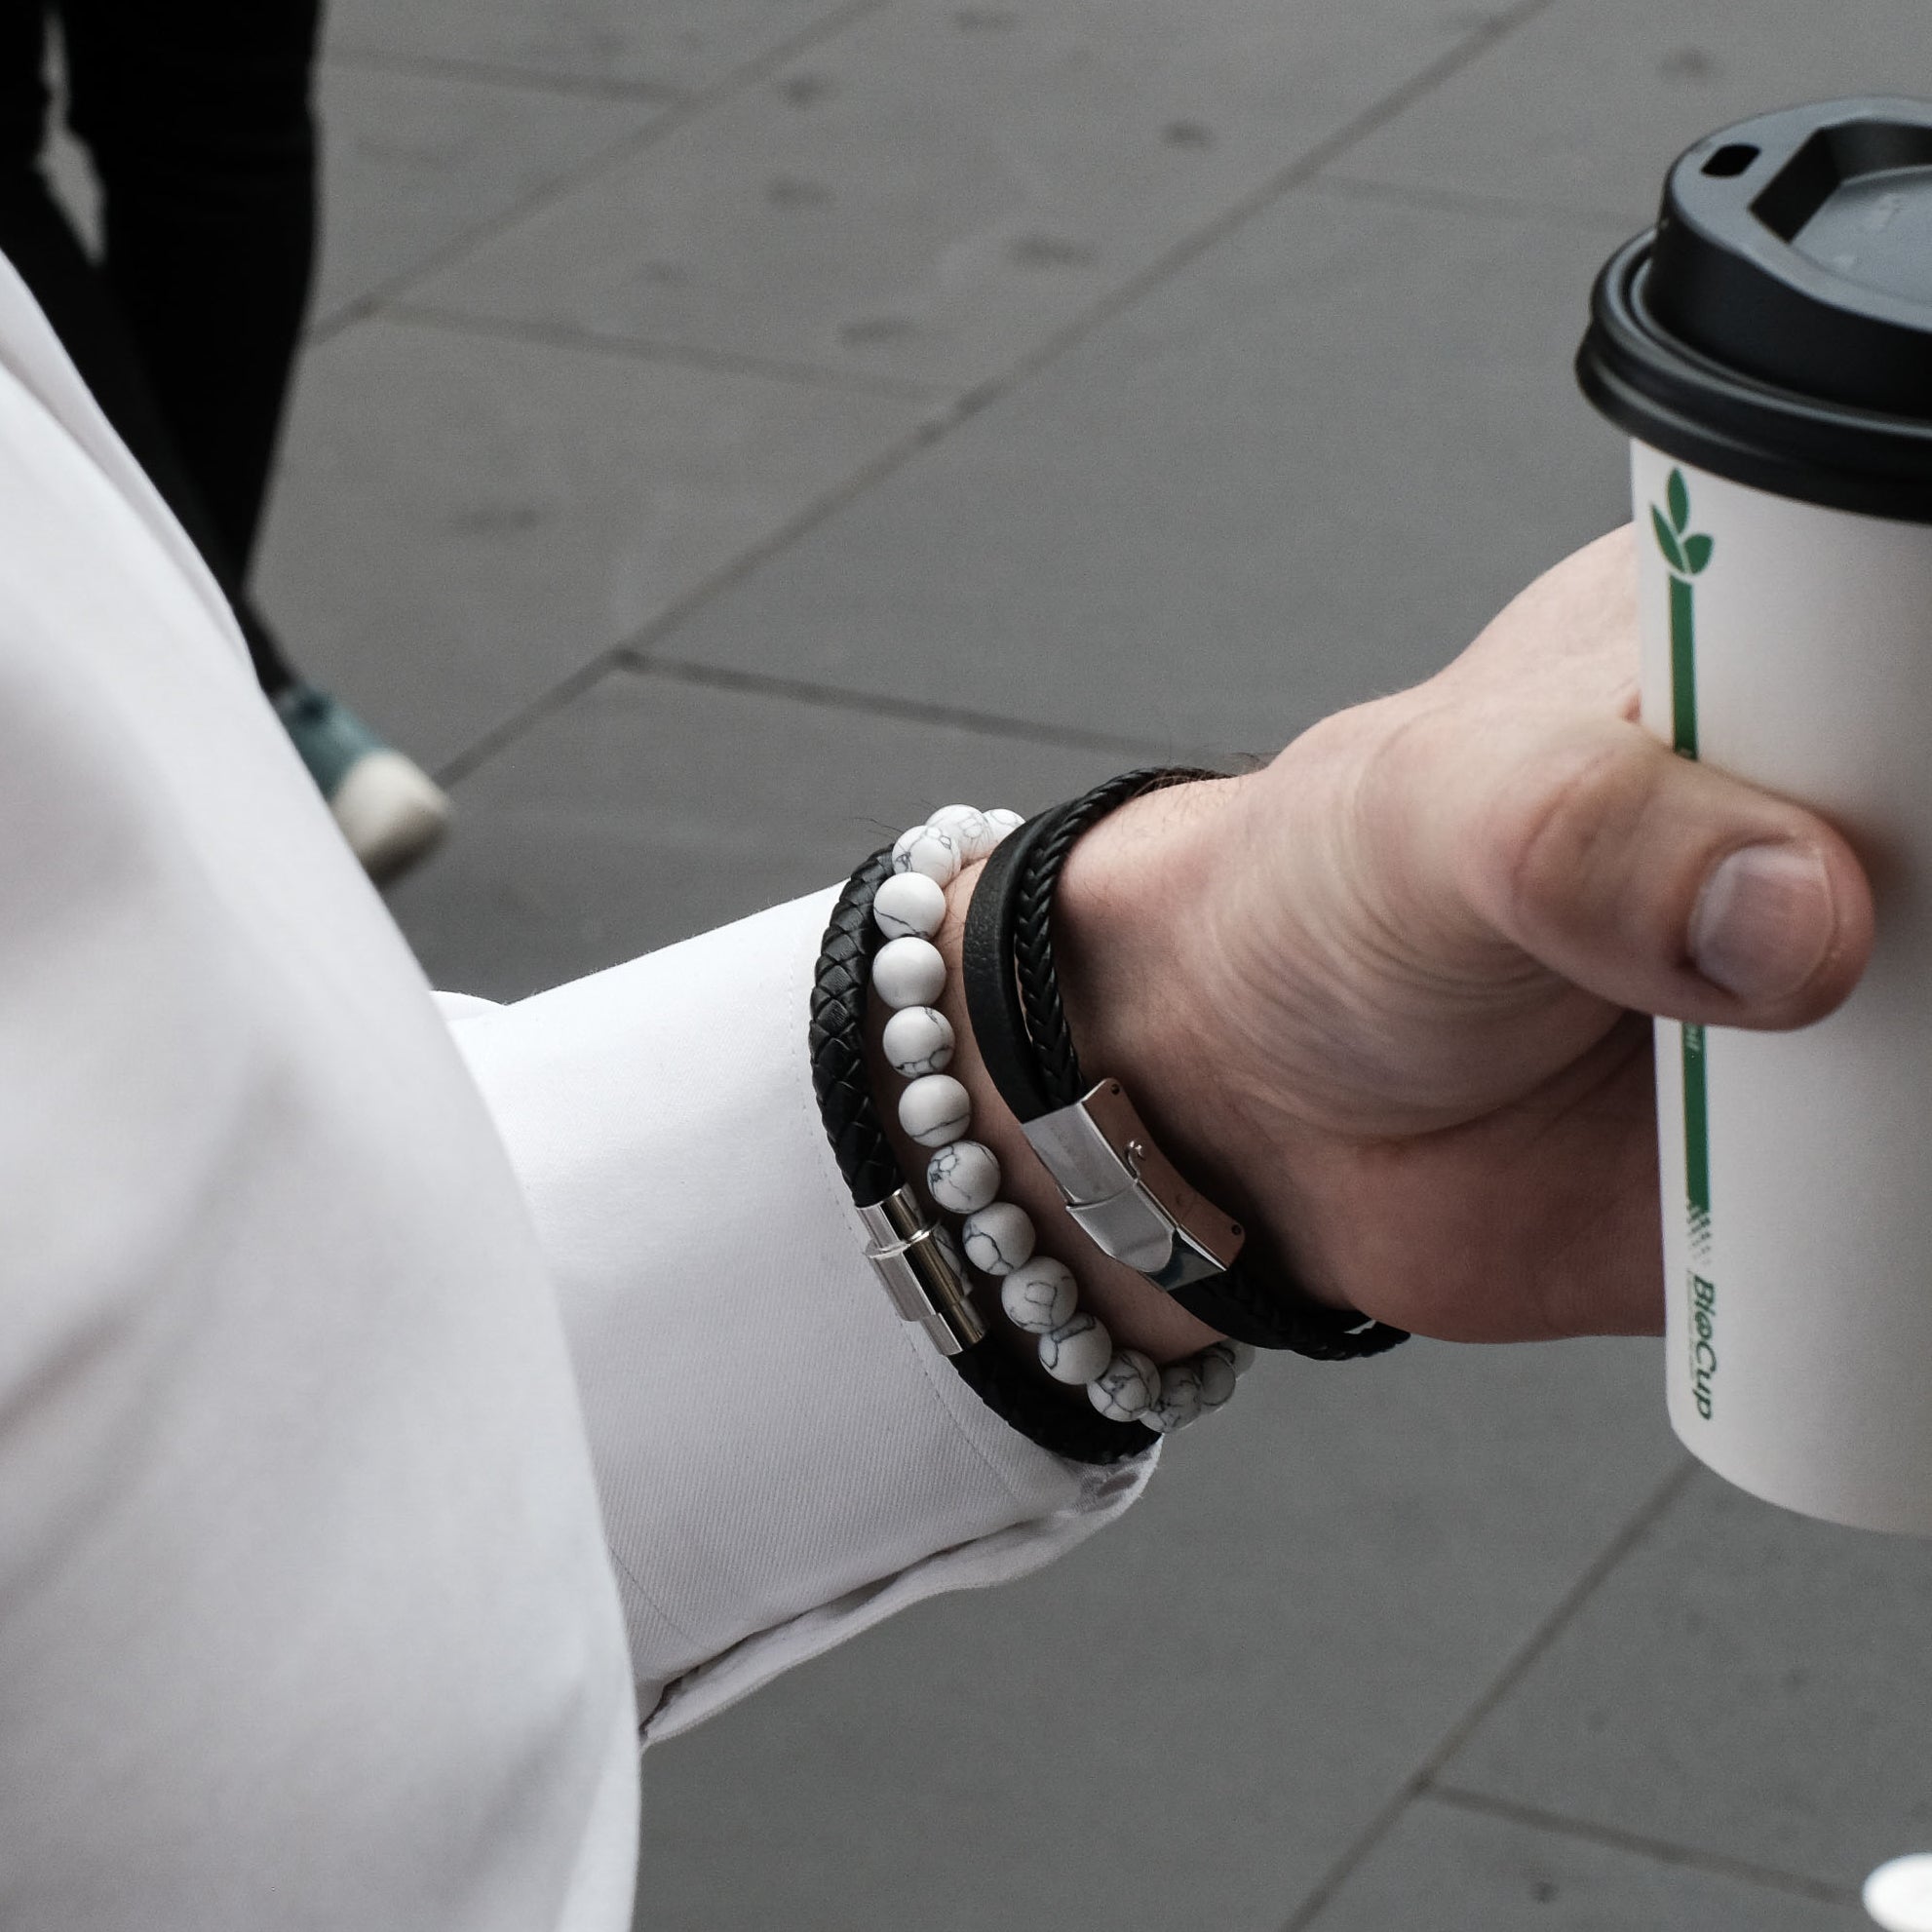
1002, 822
1040, 1296
1124, 1390
962, 1176
909, 906
935, 1109
1076, 1351
998, 1238
1179, 1400
909, 972
919, 1039
1217, 1373
969, 830
1240, 1354
928, 849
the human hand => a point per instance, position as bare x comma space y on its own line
1384, 1000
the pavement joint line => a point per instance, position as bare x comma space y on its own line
491, 73
868, 704
734, 81
1664, 1850
1422, 1780
525, 717
822, 696
637, 646
1292, 174
551, 336
1459, 201
642, 642
993, 389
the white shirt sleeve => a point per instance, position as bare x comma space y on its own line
355, 1393
306, 1619
783, 1461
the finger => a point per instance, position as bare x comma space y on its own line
1659, 883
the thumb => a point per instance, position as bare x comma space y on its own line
1661, 885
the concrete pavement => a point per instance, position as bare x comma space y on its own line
733, 426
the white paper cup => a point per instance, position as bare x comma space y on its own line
1769, 348
1797, 1169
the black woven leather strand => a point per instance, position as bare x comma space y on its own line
1014, 997
1033, 972
986, 971
837, 1038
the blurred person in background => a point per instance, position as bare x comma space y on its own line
200, 125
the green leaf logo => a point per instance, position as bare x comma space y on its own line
1679, 500
1667, 543
1685, 555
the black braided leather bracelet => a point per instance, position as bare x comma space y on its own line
917, 1259
1119, 1186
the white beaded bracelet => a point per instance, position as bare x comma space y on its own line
1038, 1295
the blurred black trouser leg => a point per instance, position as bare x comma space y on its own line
199, 117
199, 120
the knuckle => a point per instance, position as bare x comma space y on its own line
1563, 827
1400, 757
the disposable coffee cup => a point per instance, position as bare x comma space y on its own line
1769, 348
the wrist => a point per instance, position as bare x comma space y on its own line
1137, 956
1137, 1313
879, 953
1150, 977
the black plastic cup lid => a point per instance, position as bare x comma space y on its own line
1775, 327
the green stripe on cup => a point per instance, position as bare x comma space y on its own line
1683, 667
1686, 556
1696, 1145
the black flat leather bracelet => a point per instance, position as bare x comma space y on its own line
1118, 1186
915, 1257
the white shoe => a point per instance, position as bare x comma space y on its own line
391, 811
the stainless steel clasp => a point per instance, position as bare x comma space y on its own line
922, 1271
1124, 1192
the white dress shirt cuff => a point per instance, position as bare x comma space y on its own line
782, 1461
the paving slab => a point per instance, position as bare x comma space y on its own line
1185, 1722
1749, 1684
933, 192
647, 809
461, 522
1586, 106
415, 162
1445, 1869
671, 47
1304, 472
